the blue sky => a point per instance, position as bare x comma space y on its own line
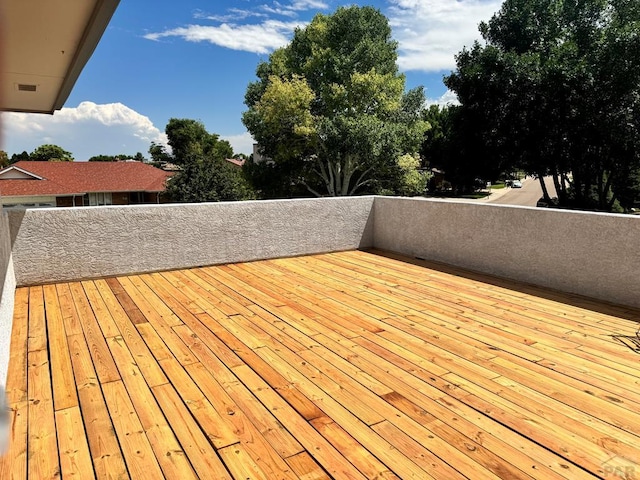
194, 59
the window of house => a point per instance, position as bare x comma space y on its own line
101, 198
136, 197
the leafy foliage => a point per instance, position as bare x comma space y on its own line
117, 158
204, 175
413, 180
207, 179
329, 110
50, 153
17, 157
555, 91
4, 159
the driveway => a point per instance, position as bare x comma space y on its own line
528, 195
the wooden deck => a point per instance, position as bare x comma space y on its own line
344, 365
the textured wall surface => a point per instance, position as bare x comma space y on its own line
588, 253
73, 243
7, 291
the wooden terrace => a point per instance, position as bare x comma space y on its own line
346, 365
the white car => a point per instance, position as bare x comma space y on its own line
516, 184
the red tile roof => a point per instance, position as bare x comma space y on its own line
66, 178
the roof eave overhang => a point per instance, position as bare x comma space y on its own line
93, 33
41, 62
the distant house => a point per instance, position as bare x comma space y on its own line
76, 184
238, 162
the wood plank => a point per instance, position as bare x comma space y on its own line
437, 467
13, 463
126, 302
218, 430
42, 445
570, 446
161, 326
361, 458
141, 354
207, 301
63, 382
100, 310
170, 456
266, 437
75, 458
70, 316
342, 365
444, 414
136, 449
226, 347
341, 414
201, 454
306, 468
318, 447
418, 393
37, 321
103, 444
241, 465
242, 409
227, 305
148, 301
610, 408
16, 386
101, 358
108, 461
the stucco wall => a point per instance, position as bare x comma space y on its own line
72, 243
588, 253
7, 291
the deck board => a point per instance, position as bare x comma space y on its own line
341, 365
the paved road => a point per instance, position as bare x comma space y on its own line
528, 195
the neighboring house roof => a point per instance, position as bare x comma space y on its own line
69, 178
236, 161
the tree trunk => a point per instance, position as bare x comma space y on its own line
545, 192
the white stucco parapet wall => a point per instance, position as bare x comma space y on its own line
58, 244
592, 254
7, 292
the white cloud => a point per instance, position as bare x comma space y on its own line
262, 38
431, 32
447, 98
86, 130
302, 5
291, 9
241, 143
233, 14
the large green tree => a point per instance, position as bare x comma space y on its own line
330, 111
189, 138
50, 153
204, 174
555, 90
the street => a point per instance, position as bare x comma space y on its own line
528, 195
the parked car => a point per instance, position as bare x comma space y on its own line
516, 184
543, 203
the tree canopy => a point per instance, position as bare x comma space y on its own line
555, 90
50, 153
4, 159
329, 110
204, 175
138, 157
